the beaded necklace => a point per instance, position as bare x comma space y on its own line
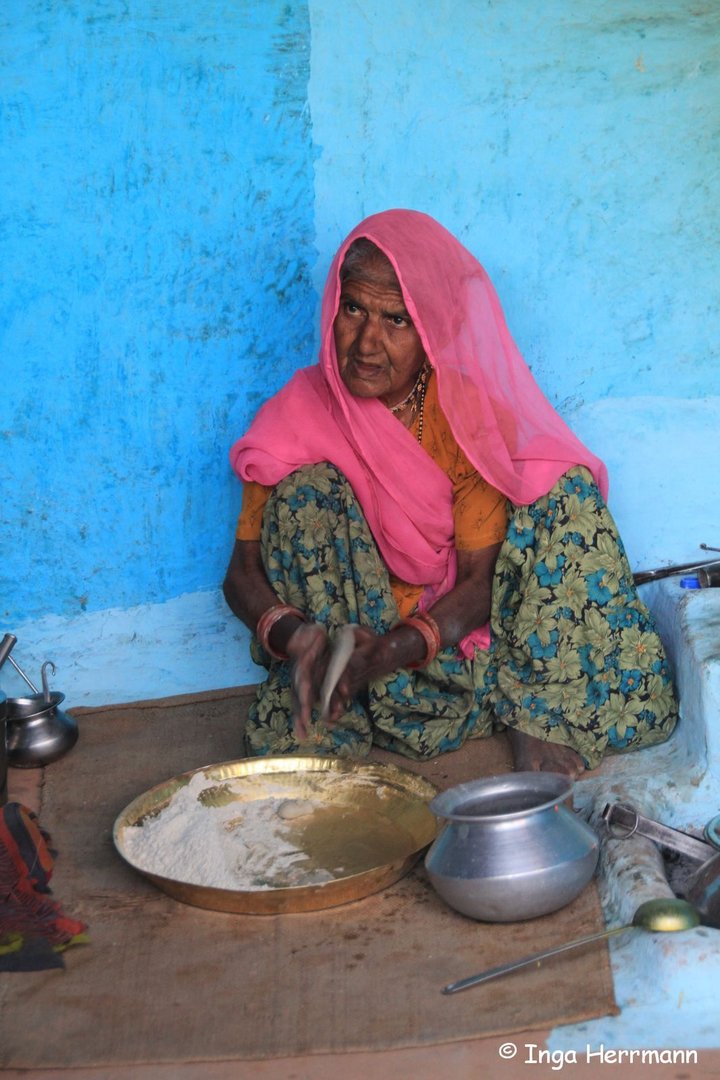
415, 400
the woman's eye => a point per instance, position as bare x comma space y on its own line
399, 320
350, 308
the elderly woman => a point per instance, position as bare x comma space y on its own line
417, 485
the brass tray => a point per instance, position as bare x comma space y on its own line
371, 824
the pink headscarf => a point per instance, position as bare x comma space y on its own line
498, 414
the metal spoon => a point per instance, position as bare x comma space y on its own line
665, 916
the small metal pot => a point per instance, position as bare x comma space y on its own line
38, 732
511, 849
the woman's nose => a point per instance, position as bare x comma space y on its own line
368, 337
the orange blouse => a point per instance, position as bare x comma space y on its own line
480, 511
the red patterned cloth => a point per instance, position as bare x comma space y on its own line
33, 928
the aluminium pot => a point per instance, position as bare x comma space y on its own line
511, 849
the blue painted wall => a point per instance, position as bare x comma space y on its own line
157, 229
179, 178
575, 148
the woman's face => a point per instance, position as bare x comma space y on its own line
378, 349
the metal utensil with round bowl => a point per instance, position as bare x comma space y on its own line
511, 849
655, 916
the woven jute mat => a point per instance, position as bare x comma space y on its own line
164, 982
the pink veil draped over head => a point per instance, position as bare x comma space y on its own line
497, 412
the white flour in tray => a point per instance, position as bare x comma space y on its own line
243, 845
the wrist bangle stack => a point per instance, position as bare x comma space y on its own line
425, 625
266, 622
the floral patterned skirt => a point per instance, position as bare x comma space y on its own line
574, 656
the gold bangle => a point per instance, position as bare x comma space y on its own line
266, 622
425, 625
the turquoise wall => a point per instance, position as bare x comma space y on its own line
573, 146
157, 229
179, 177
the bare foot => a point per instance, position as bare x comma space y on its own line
536, 755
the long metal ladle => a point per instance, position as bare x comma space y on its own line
6, 646
657, 916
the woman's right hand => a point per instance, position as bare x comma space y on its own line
308, 651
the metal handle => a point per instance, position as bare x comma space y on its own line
45, 686
6, 647
22, 674
623, 820
643, 576
709, 576
504, 969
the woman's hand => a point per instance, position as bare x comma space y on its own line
358, 672
308, 653
373, 656
310, 659
461, 610
249, 594
465, 607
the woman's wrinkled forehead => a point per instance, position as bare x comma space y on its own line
365, 261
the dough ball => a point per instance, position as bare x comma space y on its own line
295, 808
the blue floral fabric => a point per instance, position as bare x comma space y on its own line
574, 657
